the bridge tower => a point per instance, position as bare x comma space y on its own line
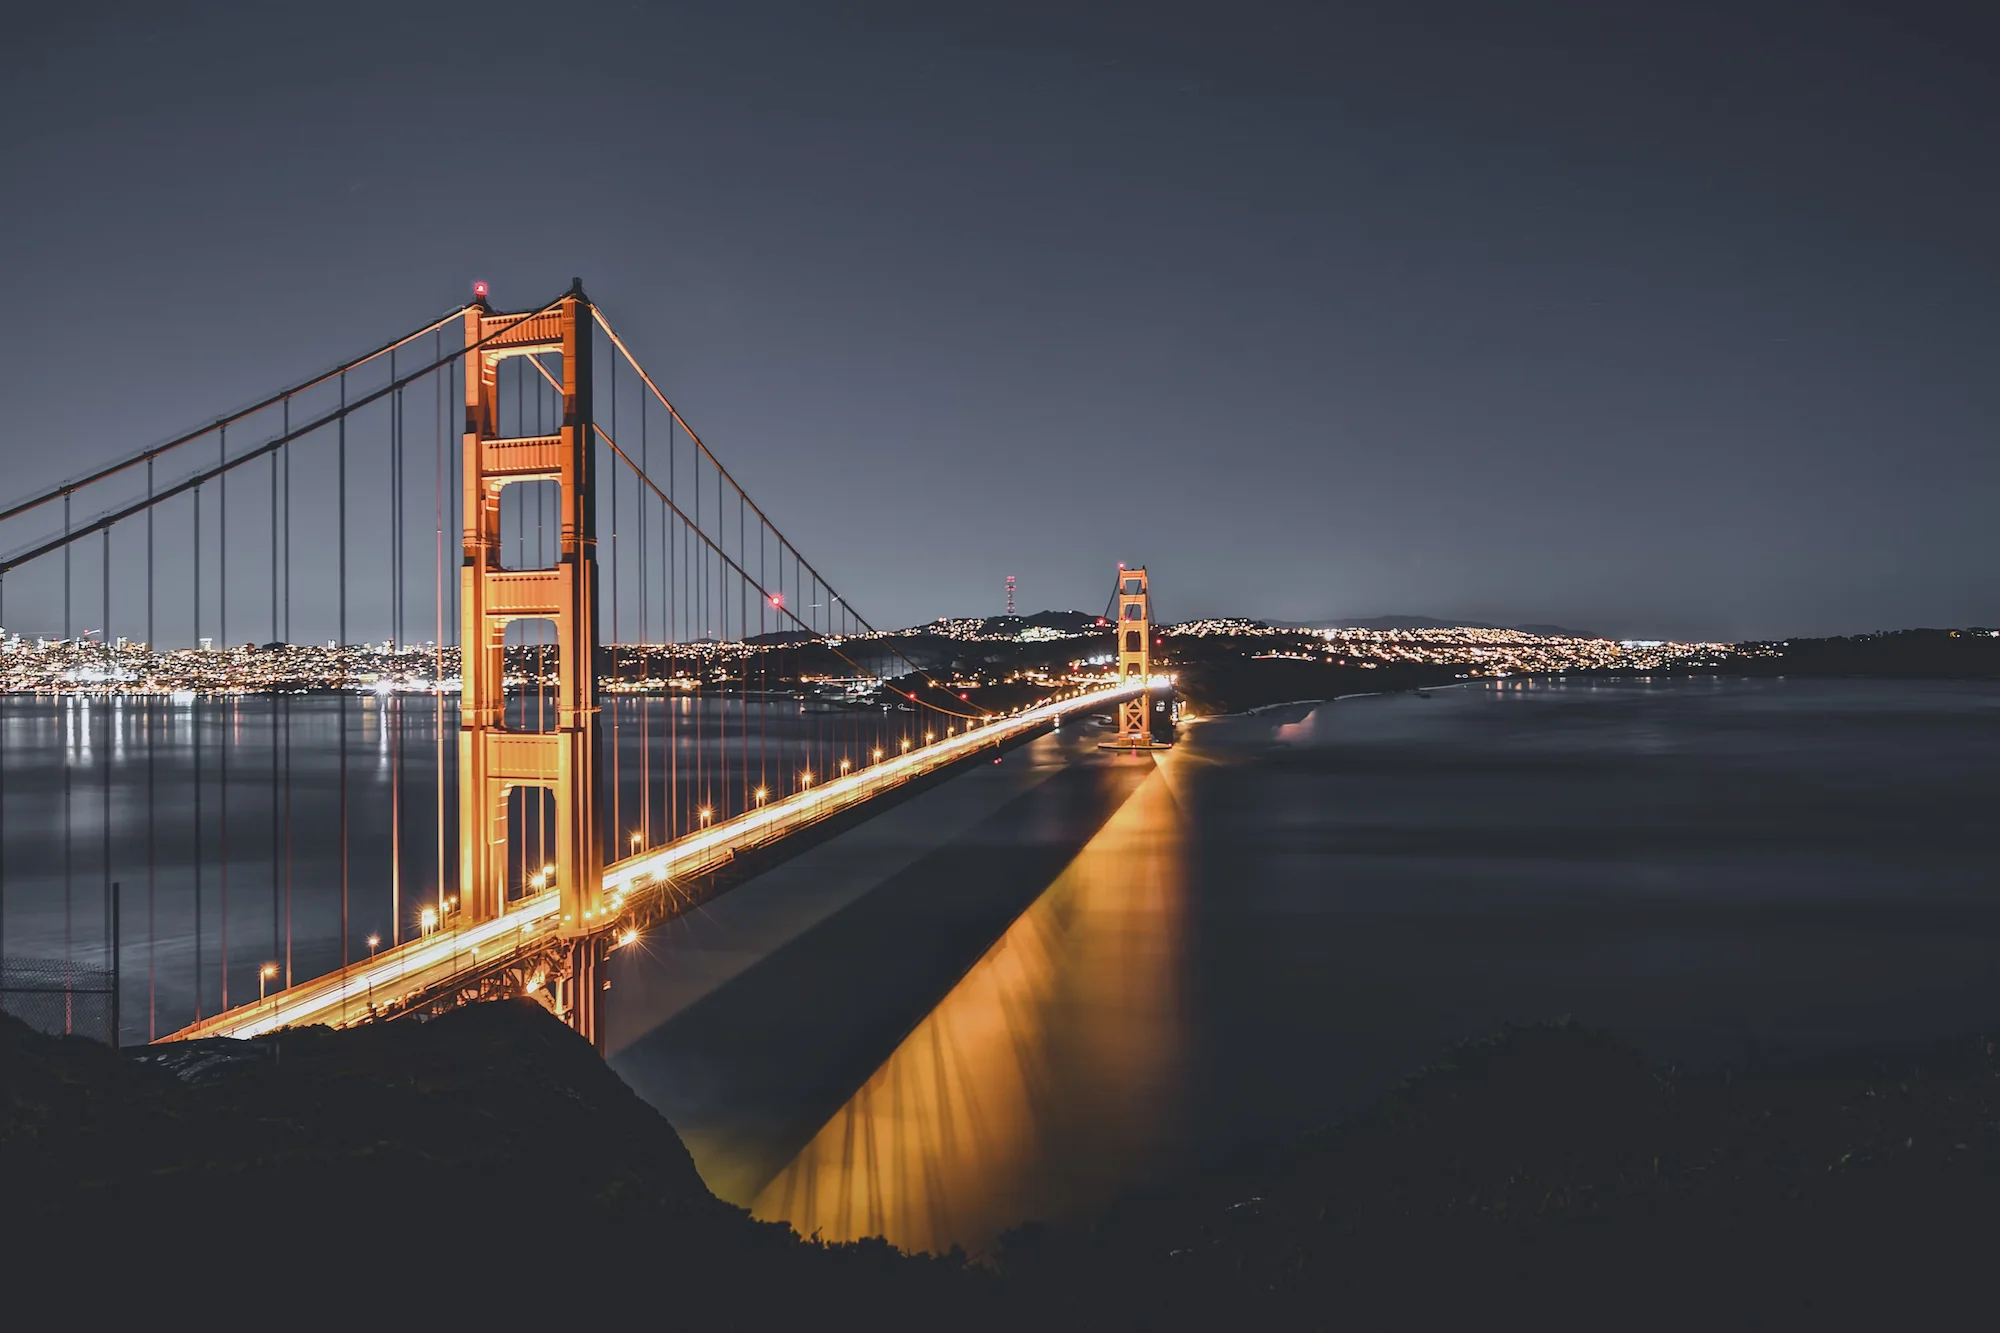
493, 759
1135, 656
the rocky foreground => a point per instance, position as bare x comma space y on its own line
487, 1163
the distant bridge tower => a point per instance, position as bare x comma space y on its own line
492, 759
1010, 594
1135, 655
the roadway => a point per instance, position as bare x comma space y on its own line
457, 952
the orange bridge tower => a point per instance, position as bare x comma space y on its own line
1136, 729
494, 759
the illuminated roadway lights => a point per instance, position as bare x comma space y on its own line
438, 955
706, 815
764, 795
264, 974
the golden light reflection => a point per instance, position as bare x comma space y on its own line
1041, 1084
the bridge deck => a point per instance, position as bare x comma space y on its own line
437, 961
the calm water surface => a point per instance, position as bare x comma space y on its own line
1021, 992
1018, 993
231, 825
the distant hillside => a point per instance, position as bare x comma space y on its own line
1069, 622
1429, 622
1972, 653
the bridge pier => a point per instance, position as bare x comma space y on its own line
580, 995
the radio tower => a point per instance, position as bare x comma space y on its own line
1010, 594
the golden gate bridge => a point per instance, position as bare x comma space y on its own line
633, 680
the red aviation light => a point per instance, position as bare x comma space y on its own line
479, 293
777, 599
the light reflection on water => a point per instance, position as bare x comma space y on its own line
1290, 911
1065, 1031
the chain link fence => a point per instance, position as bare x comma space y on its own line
59, 997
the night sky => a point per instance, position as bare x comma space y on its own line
1648, 319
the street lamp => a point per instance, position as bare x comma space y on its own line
878, 754
844, 765
428, 919
906, 745
706, 815
635, 840
762, 795
264, 974
374, 942
806, 778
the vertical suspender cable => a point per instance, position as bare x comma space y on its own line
699, 605
152, 847
454, 591
340, 647
104, 759
437, 666
69, 745
672, 600
228, 697
646, 661
277, 909
743, 659
618, 846
543, 559
763, 663
194, 731
286, 451
396, 637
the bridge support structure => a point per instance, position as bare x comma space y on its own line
1136, 730
492, 758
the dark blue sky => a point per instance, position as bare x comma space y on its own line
1651, 319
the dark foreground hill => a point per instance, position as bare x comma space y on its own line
489, 1164
484, 1163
